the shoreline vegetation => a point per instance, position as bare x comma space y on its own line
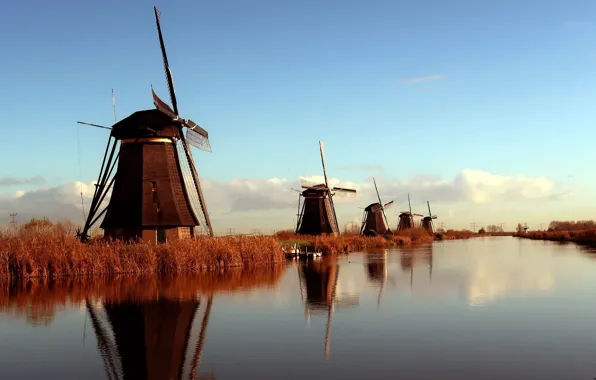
580, 232
44, 249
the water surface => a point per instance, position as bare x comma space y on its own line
484, 308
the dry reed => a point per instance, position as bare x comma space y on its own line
45, 250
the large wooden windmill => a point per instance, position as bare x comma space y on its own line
406, 218
374, 219
317, 215
427, 221
156, 192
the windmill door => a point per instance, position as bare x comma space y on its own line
161, 235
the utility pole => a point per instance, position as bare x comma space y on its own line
501, 225
442, 226
541, 225
13, 221
230, 231
473, 224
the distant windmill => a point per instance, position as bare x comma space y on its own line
427, 221
374, 219
406, 218
318, 212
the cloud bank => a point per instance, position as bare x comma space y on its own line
262, 203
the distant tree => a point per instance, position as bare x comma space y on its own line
481, 231
494, 229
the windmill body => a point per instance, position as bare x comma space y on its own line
373, 222
317, 215
406, 218
156, 194
427, 221
374, 219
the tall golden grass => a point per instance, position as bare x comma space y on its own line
352, 241
577, 236
38, 299
51, 250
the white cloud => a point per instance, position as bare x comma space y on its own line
427, 78
271, 203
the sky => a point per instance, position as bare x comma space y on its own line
483, 109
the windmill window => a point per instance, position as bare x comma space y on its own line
153, 186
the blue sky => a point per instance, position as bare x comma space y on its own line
506, 87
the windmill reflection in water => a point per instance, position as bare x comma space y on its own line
318, 281
151, 339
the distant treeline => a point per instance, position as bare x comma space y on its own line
580, 225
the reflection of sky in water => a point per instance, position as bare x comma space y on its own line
498, 308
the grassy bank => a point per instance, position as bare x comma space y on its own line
54, 255
348, 242
580, 236
42, 249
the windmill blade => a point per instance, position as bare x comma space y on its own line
380, 202
409, 204
429, 212
388, 205
296, 190
343, 190
169, 78
197, 140
193, 186
161, 105
321, 147
417, 214
306, 184
433, 217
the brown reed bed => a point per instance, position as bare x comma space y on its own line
51, 255
350, 241
38, 298
587, 237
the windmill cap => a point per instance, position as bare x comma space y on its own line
136, 124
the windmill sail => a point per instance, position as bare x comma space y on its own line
194, 194
197, 136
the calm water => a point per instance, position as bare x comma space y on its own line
492, 308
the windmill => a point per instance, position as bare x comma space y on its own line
156, 192
427, 221
317, 215
406, 218
374, 219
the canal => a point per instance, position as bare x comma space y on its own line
483, 308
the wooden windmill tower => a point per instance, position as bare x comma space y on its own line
317, 215
150, 339
156, 192
374, 219
427, 221
406, 218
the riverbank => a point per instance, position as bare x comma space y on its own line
42, 249
580, 236
349, 242
54, 255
